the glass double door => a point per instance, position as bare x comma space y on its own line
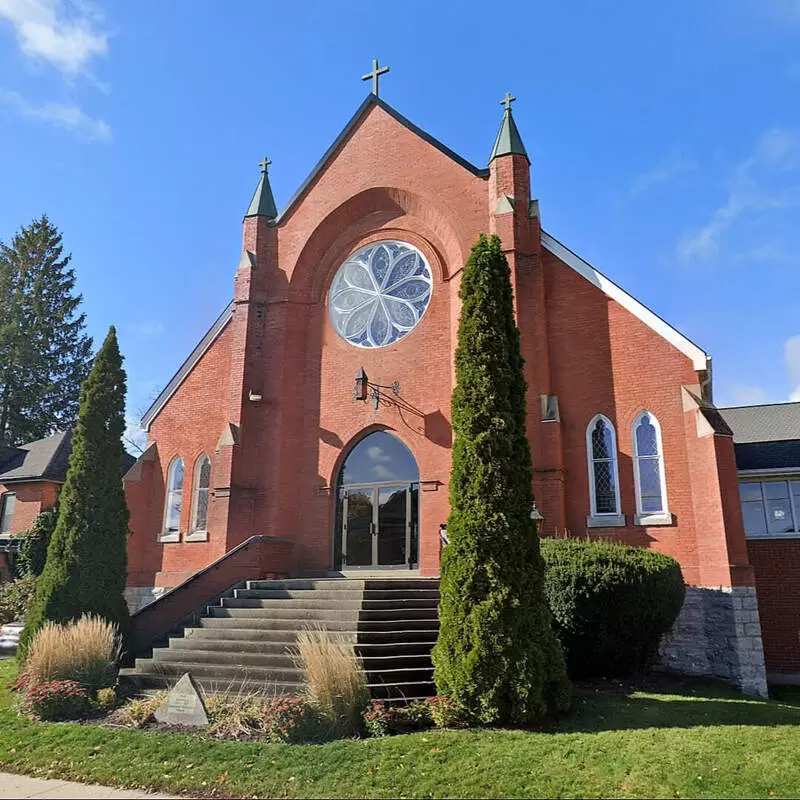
379, 525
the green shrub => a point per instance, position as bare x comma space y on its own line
15, 598
496, 656
611, 603
34, 542
446, 714
86, 565
56, 700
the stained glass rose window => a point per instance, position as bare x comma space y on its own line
380, 294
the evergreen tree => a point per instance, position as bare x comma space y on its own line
496, 657
45, 353
86, 564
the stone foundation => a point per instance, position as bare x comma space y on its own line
140, 596
718, 634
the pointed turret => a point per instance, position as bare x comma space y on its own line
508, 141
263, 203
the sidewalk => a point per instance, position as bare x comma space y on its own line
20, 786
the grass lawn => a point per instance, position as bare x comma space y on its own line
700, 740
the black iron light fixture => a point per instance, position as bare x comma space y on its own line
361, 387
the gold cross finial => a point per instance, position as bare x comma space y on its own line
375, 75
507, 101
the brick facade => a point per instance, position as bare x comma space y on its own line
270, 401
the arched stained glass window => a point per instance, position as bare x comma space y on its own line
174, 499
601, 445
202, 486
651, 489
380, 294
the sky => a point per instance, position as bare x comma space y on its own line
665, 141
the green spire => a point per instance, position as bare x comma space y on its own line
263, 203
508, 141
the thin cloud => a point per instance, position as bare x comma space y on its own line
749, 396
149, 329
661, 175
791, 355
767, 181
67, 116
47, 31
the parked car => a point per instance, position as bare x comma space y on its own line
9, 635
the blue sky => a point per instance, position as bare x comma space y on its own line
665, 141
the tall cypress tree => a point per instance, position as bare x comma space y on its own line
496, 655
86, 564
45, 353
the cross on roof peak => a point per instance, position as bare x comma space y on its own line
507, 101
375, 75
264, 163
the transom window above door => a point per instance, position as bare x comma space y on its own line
380, 294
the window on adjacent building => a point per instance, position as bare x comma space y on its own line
601, 445
202, 484
648, 458
770, 508
174, 500
7, 503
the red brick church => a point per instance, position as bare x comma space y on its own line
315, 413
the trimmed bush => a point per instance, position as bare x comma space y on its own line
15, 598
611, 603
496, 656
84, 651
56, 700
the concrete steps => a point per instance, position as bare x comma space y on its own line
245, 642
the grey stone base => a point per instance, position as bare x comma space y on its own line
718, 634
139, 596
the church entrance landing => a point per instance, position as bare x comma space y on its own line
377, 520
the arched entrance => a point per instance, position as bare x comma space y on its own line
377, 520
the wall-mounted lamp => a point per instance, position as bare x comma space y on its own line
361, 386
536, 515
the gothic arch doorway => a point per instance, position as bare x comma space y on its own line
377, 519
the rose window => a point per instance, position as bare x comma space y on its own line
380, 294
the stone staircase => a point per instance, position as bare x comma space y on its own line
242, 643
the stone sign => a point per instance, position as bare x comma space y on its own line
183, 705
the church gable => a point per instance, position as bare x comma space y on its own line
700, 360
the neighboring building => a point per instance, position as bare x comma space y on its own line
767, 443
353, 289
29, 479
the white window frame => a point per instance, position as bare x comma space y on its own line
605, 519
663, 517
3, 503
761, 477
165, 535
199, 534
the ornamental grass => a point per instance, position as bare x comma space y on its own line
85, 651
336, 683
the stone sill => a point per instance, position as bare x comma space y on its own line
769, 536
196, 536
648, 520
166, 538
606, 521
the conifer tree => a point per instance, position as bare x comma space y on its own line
86, 564
45, 353
496, 657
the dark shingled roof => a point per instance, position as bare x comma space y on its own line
45, 459
778, 422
